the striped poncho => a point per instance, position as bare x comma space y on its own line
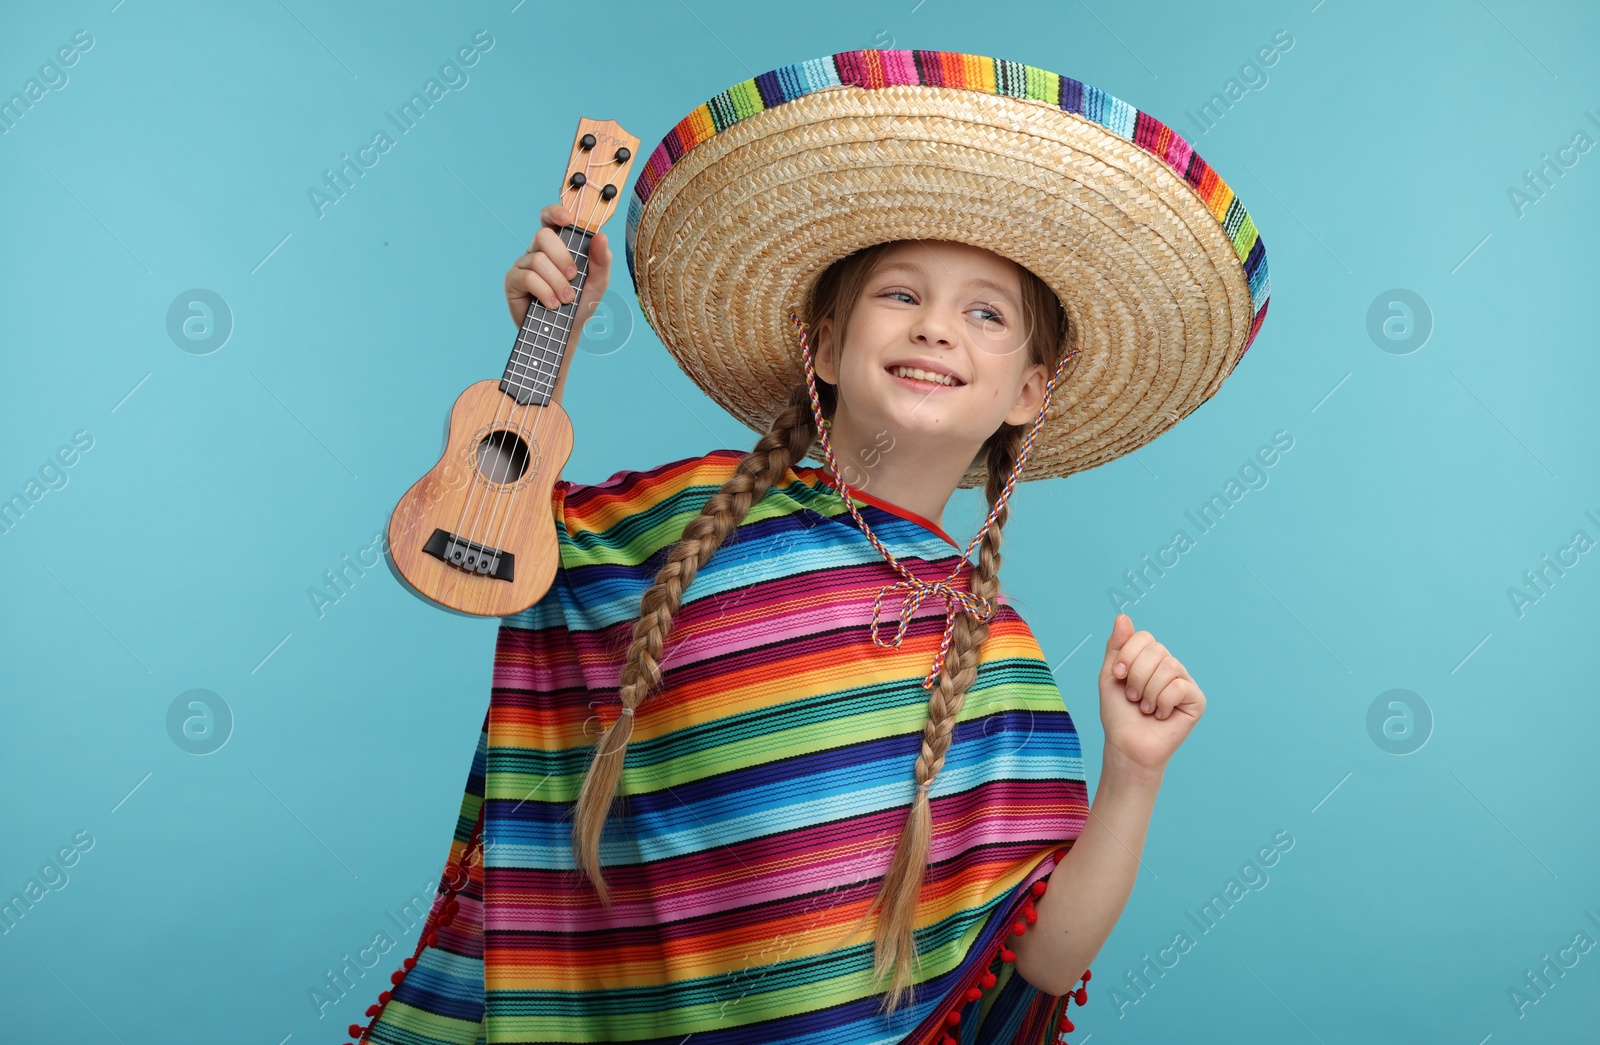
764, 790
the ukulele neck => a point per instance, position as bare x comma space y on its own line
541, 344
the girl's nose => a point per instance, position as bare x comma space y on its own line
930, 326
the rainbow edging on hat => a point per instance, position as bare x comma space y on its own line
872, 69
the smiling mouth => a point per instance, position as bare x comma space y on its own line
924, 380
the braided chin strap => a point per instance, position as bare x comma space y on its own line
955, 598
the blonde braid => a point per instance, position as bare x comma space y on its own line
902, 883
785, 443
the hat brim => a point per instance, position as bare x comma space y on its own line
1159, 302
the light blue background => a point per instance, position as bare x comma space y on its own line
1377, 155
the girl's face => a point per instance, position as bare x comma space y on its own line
936, 345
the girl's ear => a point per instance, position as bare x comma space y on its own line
826, 362
1029, 397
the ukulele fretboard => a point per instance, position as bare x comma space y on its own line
542, 342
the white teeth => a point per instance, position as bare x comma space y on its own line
919, 374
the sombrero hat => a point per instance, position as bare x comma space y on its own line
754, 194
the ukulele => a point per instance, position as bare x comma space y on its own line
476, 534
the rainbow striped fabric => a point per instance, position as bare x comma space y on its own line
764, 789
874, 69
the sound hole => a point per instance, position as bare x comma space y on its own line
502, 457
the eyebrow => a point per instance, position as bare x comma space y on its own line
990, 284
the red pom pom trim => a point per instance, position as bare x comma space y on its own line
989, 977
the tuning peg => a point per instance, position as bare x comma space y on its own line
608, 192
623, 153
587, 141
578, 180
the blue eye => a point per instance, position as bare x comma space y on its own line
994, 316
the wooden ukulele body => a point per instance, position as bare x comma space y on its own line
475, 533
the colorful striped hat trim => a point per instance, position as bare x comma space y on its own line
873, 69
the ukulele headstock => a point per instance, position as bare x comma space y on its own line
602, 155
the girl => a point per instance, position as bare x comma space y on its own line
773, 759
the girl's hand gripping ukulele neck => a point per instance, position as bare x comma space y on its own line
475, 534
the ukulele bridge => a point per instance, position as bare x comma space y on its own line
470, 556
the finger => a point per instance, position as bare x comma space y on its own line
1121, 628
517, 297
548, 242
1143, 665
555, 216
537, 289
1173, 695
558, 289
540, 264
1159, 695
1130, 650
558, 278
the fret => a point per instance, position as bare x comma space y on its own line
527, 377
562, 328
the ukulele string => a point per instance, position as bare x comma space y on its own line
516, 413
514, 423
500, 459
554, 374
509, 403
478, 477
473, 462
